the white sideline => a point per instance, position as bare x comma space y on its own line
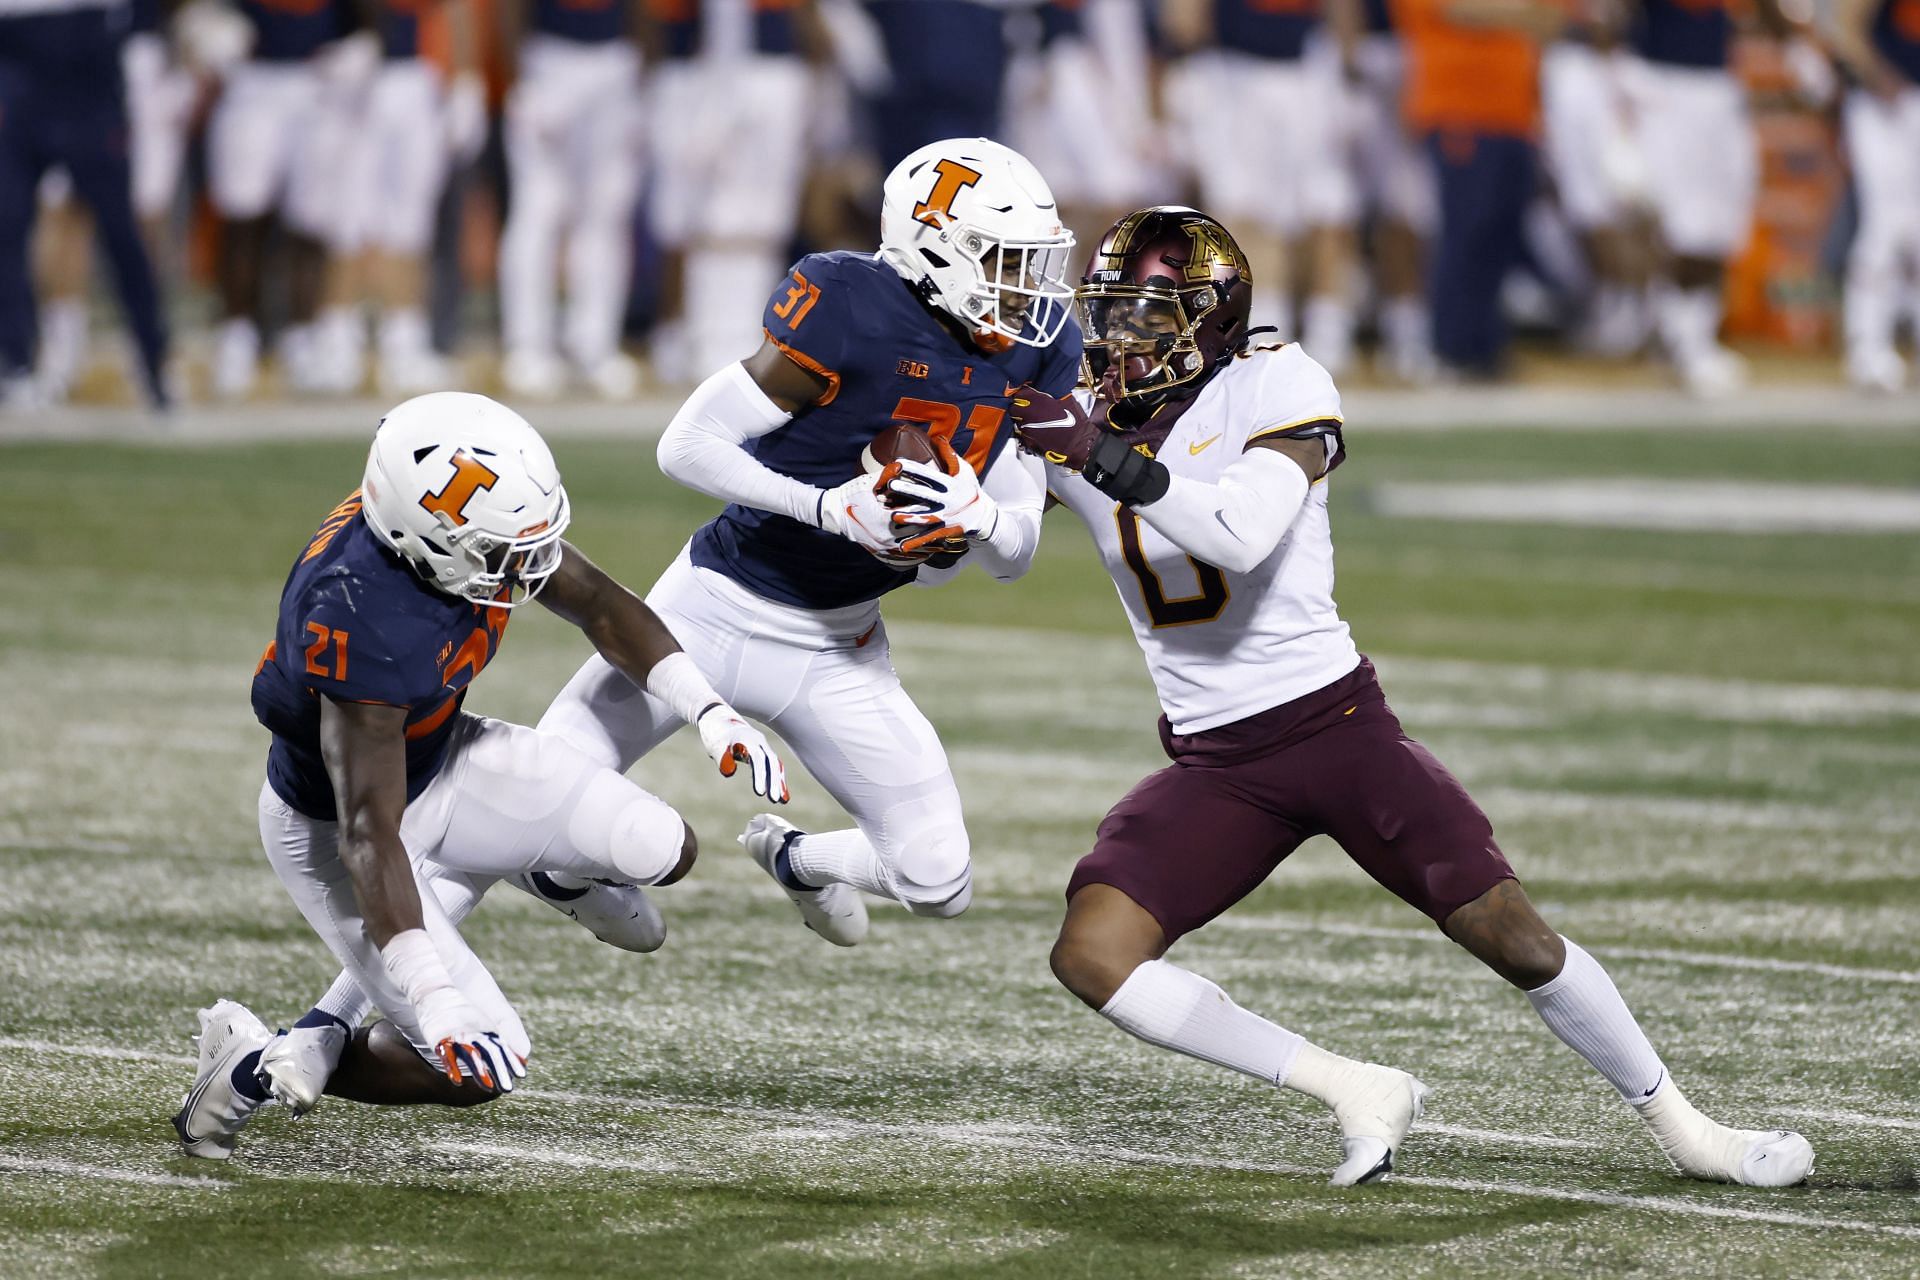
964, 1135
70, 1169
1852, 1118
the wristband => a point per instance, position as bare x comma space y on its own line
678, 683
414, 964
1123, 473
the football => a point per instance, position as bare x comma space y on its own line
897, 443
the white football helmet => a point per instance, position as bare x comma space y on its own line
973, 225
466, 491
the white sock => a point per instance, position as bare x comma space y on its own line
1329, 332
403, 334
1689, 321
1169, 1006
63, 340
345, 1001
1584, 1008
1407, 325
840, 857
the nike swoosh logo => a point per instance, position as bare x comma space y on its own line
1229, 528
1656, 1086
1196, 449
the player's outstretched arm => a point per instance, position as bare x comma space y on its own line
631, 637
364, 747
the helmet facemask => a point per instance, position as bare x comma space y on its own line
507, 571
1140, 340
1019, 291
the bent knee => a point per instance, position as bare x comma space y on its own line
1089, 969
689, 851
934, 877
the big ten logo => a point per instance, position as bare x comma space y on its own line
911, 368
951, 179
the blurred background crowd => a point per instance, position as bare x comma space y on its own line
564, 197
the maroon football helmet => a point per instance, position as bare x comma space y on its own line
1163, 303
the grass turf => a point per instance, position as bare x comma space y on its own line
1698, 748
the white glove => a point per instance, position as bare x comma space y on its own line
460, 1036
954, 496
455, 1030
466, 117
731, 742
856, 511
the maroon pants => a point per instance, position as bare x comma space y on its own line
1193, 839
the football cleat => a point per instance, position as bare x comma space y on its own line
297, 1064
213, 1111
620, 915
533, 375
1378, 1107
1699, 1147
835, 911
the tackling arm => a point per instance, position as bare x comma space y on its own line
631, 637
1236, 523
1017, 483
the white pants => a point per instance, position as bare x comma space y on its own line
260, 131
1275, 157
1074, 111
1883, 140
823, 681
573, 157
1590, 145
159, 104
401, 161
1392, 171
509, 799
1702, 166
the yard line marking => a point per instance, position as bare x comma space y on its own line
1659, 955
1007, 1139
104, 1173
1852, 1117
1647, 502
96, 1051
553, 1155
1500, 1135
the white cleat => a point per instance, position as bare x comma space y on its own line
620, 915
834, 911
615, 378
213, 1110
297, 1064
1374, 1117
1714, 373
534, 375
236, 359
1700, 1147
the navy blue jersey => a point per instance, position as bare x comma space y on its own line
888, 358
358, 625
62, 58
1684, 33
1896, 35
144, 17
588, 21
294, 30
1378, 15
398, 22
1266, 28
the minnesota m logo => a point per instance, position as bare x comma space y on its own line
938, 206
1211, 247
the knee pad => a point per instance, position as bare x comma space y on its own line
934, 874
635, 836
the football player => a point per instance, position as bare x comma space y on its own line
1879, 40
1198, 462
778, 598
378, 781
573, 160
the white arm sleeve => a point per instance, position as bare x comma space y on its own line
1235, 524
702, 448
1017, 483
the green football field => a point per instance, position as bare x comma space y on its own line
1701, 748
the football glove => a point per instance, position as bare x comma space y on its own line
732, 742
464, 1046
857, 512
1058, 428
938, 505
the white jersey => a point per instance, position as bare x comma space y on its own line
1223, 646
